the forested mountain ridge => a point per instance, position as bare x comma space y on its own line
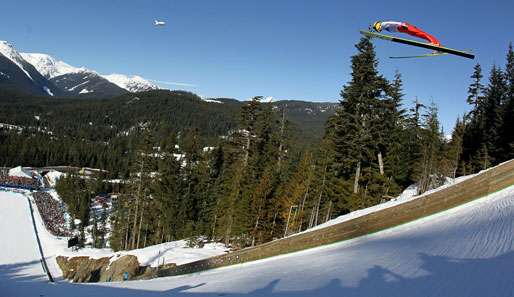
101, 124
108, 117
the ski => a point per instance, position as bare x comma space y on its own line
418, 44
419, 56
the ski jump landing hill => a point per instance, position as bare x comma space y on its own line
480, 185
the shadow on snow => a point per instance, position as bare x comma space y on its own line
440, 276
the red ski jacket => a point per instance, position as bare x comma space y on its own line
407, 28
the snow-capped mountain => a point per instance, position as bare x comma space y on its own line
86, 84
73, 81
42, 74
80, 81
48, 66
17, 73
132, 84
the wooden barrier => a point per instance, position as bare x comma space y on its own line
488, 182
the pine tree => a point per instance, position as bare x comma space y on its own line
473, 139
493, 102
476, 90
168, 193
507, 131
229, 187
414, 135
259, 201
396, 160
192, 175
294, 194
428, 166
207, 173
230, 190
249, 113
358, 135
453, 151
141, 185
75, 194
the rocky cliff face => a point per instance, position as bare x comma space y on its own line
84, 269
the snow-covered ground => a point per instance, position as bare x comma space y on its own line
53, 176
173, 252
465, 251
53, 246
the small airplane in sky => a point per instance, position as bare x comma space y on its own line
159, 23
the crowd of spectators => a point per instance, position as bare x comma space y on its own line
17, 182
52, 212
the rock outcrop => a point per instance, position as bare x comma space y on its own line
86, 269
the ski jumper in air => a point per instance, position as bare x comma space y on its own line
430, 43
403, 27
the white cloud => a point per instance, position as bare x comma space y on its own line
173, 83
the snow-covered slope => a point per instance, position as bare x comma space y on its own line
14, 215
169, 252
48, 66
9, 52
20, 246
17, 73
132, 84
466, 251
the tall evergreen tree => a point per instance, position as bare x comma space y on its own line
453, 164
474, 137
428, 167
507, 131
293, 196
358, 134
74, 191
168, 194
414, 135
476, 89
396, 160
140, 186
494, 99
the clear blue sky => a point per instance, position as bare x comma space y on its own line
288, 49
